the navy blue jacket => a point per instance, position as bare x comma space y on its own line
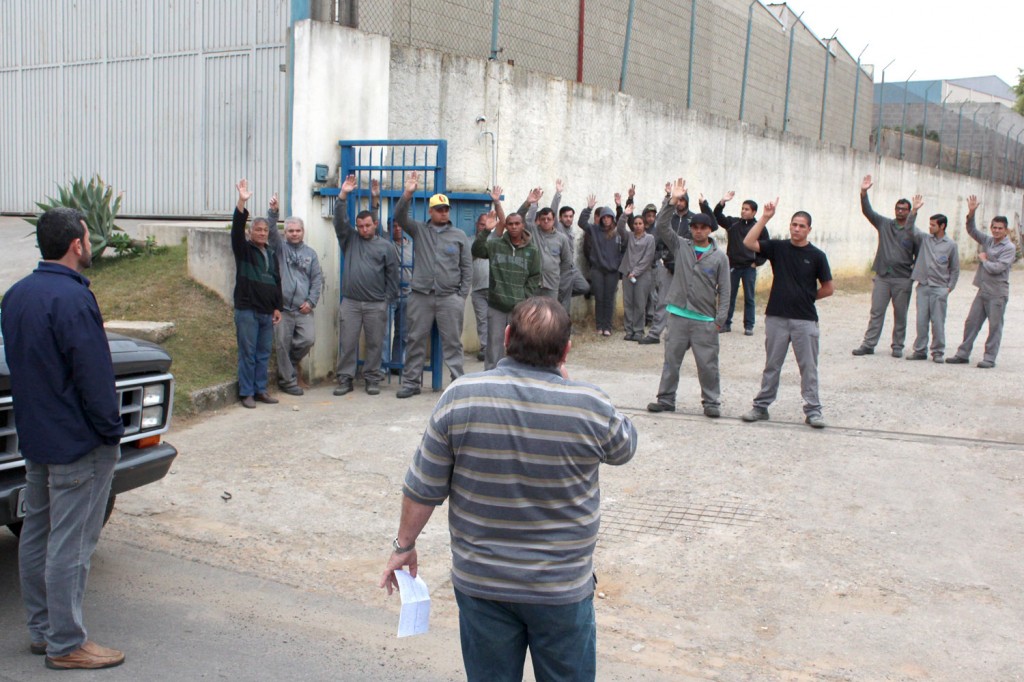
62, 377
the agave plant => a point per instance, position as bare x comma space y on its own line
97, 203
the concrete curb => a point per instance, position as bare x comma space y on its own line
214, 397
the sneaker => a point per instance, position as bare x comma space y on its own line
481, 354
265, 398
748, 332
815, 421
372, 388
712, 411
648, 340
863, 350
292, 390
956, 360
248, 402
986, 364
407, 391
756, 414
630, 337
725, 330
606, 332
937, 358
343, 388
37, 648
89, 656
897, 353
917, 356
660, 407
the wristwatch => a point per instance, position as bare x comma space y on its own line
402, 550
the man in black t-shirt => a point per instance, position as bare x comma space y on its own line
790, 317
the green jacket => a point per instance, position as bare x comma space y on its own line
515, 270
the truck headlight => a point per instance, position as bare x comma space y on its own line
153, 395
152, 417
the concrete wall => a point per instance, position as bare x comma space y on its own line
601, 142
210, 261
341, 79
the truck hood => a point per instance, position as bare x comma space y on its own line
130, 356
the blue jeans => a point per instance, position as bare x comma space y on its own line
748, 275
495, 635
64, 505
255, 333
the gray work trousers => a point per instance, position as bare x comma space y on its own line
572, 284
496, 323
652, 297
370, 318
779, 334
660, 314
64, 506
886, 289
424, 310
479, 298
931, 308
992, 308
702, 337
294, 336
634, 303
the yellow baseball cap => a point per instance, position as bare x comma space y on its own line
438, 200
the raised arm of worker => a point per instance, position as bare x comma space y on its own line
479, 248
342, 227
584, 218
499, 211
402, 217
767, 213
705, 208
663, 223
273, 213
865, 203
556, 201
719, 212
239, 219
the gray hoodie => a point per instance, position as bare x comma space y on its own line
301, 277
698, 285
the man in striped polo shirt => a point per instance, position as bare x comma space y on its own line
516, 452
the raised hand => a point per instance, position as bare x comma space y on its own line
918, 202
244, 194
668, 188
972, 204
559, 185
490, 219
618, 199
375, 189
678, 190
728, 196
496, 193
866, 183
628, 210
274, 205
591, 201
534, 196
412, 181
348, 185
768, 212
632, 191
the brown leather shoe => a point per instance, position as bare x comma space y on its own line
37, 648
265, 398
89, 656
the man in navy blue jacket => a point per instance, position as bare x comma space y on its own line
69, 432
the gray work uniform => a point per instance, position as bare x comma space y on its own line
894, 261
637, 261
701, 287
481, 282
573, 283
441, 282
369, 284
302, 281
993, 282
936, 272
555, 253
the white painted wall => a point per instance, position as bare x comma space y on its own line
341, 92
601, 142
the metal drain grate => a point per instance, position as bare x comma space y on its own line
631, 520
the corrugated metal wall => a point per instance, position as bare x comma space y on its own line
169, 101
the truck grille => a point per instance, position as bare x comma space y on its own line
130, 393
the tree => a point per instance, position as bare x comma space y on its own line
1019, 89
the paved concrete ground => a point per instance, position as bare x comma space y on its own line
885, 547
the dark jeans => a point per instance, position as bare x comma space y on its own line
604, 286
255, 334
748, 275
495, 635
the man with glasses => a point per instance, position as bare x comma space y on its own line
894, 261
441, 282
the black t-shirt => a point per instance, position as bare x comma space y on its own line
797, 271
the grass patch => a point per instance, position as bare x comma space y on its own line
158, 288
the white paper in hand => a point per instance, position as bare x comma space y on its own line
415, 616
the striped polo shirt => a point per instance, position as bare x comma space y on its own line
516, 451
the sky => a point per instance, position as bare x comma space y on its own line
938, 39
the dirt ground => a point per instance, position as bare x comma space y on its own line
885, 547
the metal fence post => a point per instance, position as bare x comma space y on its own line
1016, 155
625, 46
959, 124
881, 106
689, 61
746, 55
924, 123
579, 42
942, 124
824, 88
856, 96
495, 10
789, 73
1006, 155
903, 122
